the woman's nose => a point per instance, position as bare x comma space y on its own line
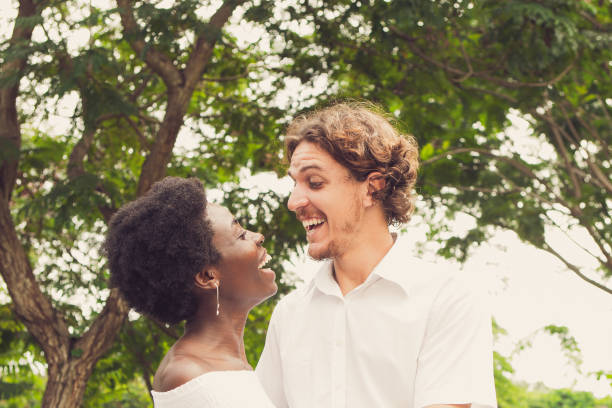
259, 239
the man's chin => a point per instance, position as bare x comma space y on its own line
319, 252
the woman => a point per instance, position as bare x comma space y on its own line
175, 257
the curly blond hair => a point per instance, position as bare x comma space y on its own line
362, 138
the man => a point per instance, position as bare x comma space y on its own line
375, 327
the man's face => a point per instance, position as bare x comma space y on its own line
326, 199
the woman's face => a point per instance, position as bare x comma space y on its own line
242, 279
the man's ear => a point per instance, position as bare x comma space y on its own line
207, 278
375, 182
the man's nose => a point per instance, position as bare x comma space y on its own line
297, 200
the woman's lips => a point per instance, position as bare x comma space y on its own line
265, 258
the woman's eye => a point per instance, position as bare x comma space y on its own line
315, 184
243, 235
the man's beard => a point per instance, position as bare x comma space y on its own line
333, 250
338, 246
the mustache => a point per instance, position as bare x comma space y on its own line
302, 214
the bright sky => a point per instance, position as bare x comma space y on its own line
529, 288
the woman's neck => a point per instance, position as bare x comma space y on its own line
217, 339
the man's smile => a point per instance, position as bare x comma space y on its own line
312, 223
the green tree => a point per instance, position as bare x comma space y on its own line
144, 74
513, 394
451, 72
563, 398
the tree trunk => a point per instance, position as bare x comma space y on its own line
66, 384
154, 167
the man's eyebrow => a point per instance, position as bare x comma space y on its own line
303, 169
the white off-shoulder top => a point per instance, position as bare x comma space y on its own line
216, 389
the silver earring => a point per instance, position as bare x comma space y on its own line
217, 285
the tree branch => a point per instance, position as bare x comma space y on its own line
481, 189
10, 132
564, 154
596, 172
593, 132
227, 78
519, 166
575, 269
101, 334
200, 56
467, 61
140, 89
599, 240
593, 20
604, 108
80, 149
573, 138
514, 163
569, 236
518, 84
463, 75
157, 61
143, 140
515, 189
154, 166
507, 98
76, 260
31, 306
574, 133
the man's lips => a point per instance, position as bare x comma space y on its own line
311, 223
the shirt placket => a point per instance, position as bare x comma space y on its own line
338, 377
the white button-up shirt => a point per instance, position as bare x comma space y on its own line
411, 335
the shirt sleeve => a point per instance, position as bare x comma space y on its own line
269, 369
455, 363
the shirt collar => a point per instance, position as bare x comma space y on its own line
397, 266
324, 280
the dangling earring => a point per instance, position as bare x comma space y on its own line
217, 286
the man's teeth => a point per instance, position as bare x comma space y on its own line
312, 222
265, 261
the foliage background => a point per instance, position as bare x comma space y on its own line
449, 73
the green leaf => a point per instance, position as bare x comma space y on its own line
427, 151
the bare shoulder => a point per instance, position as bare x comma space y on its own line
178, 371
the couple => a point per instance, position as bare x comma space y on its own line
374, 327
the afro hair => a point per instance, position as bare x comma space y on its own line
157, 244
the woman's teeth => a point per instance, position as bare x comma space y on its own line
265, 261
